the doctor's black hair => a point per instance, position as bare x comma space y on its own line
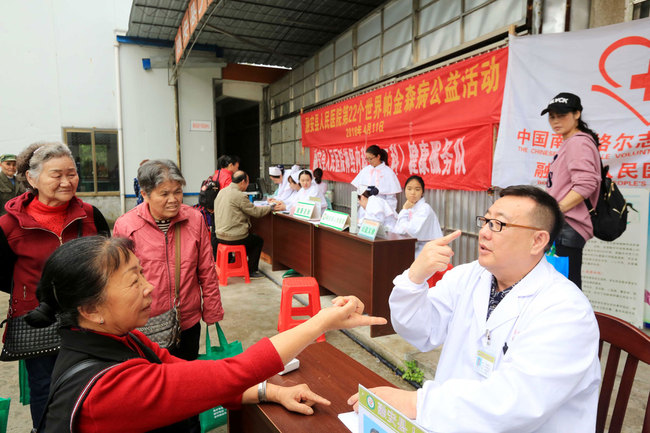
318, 175
371, 190
415, 177
547, 213
76, 275
307, 172
378, 151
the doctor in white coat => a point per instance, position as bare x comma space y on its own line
378, 174
309, 189
291, 199
377, 209
279, 177
520, 349
417, 218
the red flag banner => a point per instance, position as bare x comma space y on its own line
438, 124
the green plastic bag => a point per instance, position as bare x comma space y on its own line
23, 382
217, 416
4, 414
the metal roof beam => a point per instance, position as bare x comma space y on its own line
299, 25
241, 38
302, 42
161, 8
285, 8
255, 44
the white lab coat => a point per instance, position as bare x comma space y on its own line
378, 209
381, 177
546, 382
291, 200
284, 190
420, 222
312, 191
322, 186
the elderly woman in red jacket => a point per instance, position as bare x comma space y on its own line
152, 227
123, 382
37, 223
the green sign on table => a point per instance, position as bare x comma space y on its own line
334, 219
369, 229
376, 414
304, 210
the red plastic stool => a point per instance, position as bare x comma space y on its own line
437, 276
293, 286
237, 269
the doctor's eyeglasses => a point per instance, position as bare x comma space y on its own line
496, 226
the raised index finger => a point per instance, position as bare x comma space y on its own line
447, 239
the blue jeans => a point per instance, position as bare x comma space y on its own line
39, 374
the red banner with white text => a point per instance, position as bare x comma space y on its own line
439, 125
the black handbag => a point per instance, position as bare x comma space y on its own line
23, 341
165, 328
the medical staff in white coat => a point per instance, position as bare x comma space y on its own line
520, 341
378, 174
309, 189
279, 177
318, 180
417, 219
291, 199
377, 209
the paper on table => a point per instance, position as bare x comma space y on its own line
350, 420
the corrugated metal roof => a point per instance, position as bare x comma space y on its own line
271, 32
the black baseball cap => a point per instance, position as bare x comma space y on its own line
563, 103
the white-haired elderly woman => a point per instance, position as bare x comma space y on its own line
152, 228
37, 222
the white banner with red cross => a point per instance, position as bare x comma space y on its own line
609, 69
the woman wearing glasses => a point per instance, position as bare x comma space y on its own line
377, 173
573, 177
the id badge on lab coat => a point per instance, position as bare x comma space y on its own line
484, 362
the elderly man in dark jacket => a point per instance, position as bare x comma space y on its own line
10, 187
232, 212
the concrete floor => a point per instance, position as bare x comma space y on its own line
251, 313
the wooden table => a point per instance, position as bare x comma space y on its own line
347, 264
329, 373
343, 263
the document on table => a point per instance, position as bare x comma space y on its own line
350, 420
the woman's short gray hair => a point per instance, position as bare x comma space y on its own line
36, 154
156, 171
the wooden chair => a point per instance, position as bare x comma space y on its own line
622, 337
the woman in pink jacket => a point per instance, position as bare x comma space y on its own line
151, 225
573, 177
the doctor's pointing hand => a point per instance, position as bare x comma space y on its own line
435, 256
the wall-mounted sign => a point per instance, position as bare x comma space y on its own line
201, 125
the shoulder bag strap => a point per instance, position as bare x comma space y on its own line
78, 367
177, 267
590, 208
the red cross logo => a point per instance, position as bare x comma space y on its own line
639, 81
642, 81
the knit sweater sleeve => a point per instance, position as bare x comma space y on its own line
583, 163
139, 396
